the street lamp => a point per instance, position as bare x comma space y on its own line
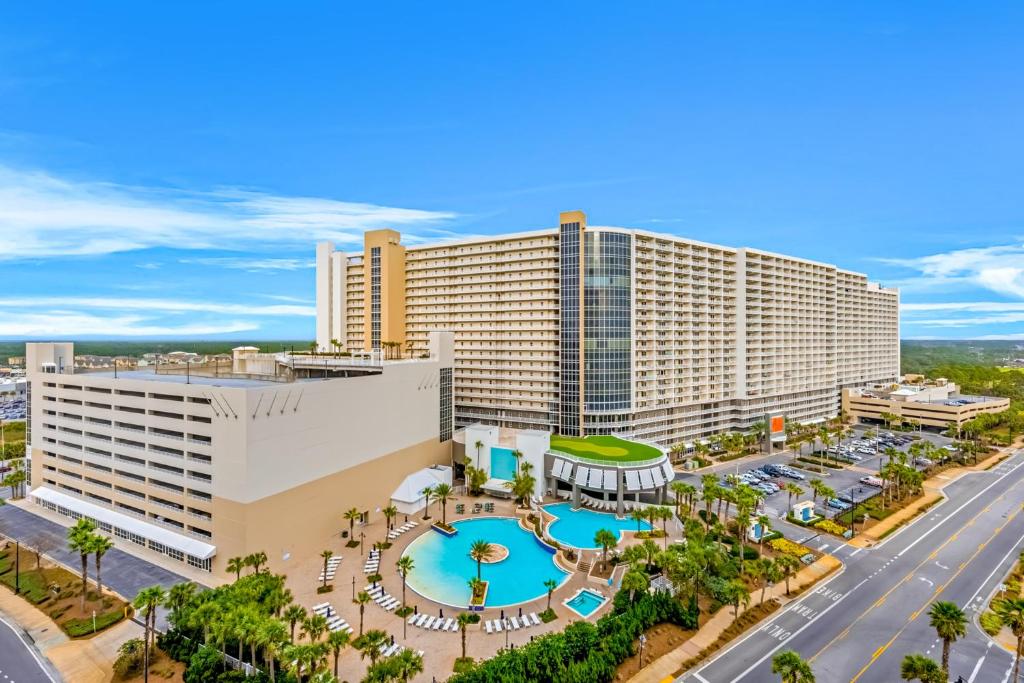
643, 639
504, 624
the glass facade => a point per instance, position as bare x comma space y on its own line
445, 431
569, 254
375, 297
607, 333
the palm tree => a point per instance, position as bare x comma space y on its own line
917, 667
272, 637
336, 641
787, 564
314, 626
327, 555
99, 546
638, 516
949, 623
738, 594
465, 619
404, 565
634, 580
427, 494
479, 444
441, 494
180, 595
407, 664
551, 585
791, 668
1011, 613
294, 614
605, 539
256, 560
352, 514
147, 601
362, 599
480, 550
370, 644
80, 539
236, 565
766, 525
390, 512
792, 490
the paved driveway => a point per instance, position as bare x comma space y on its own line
18, 663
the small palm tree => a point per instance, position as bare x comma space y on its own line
404, 565
605, 539
917, 667
294, 614
362, 599
336, 641
638, 516
551, 585
257, 560
634, 580
236, 565
1011, 613
390, 512
787, 564
442, 492
427, 494
352, 514
327, 555
949, 623
791, 668
480, 551
80, 539
370, 644
793, 490
314, 626
478, 445
406, 664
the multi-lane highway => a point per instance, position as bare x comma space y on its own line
858, 625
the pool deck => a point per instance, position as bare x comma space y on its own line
440, 648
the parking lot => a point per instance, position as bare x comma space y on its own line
845, 482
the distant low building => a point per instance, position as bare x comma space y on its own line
932, 404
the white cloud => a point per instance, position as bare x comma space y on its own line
972, 306
997, 268
155, 306
70, 324
45, 215
252, 265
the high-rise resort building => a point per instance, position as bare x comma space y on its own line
200, 463
583, 330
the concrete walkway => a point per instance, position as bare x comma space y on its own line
664, 668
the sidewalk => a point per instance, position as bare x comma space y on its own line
87, 660
665, 667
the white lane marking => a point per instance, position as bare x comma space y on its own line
941, 566
798, 632
823, 547
31, 649
950, 515
700, 678
1012, 550
856, 551
977, 668
930, 583
751, 633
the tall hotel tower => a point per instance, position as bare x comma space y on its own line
596, 330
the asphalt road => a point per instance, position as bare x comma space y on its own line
858, 625
18, 661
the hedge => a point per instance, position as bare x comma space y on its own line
584, 652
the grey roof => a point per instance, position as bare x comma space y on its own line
148, 376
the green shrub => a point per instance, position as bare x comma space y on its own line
990, 623
76, 628
203, 666
548, 615
129, 658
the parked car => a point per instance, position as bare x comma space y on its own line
923, 462
872, 481
837, 504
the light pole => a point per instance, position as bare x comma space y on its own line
643, 639
504, 624
353, 588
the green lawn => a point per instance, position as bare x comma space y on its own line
610, 448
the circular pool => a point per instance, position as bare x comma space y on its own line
443, 566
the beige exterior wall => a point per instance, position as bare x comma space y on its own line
721, 336
391, 316
928, 414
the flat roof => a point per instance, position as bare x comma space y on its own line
203, 380
604, 447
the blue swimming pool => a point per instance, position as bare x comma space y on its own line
577, 527
585, 602
503, 463
443, 566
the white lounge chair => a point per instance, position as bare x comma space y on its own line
497, 625
535, 619
439, 623
428, 624
411, 619
487, 626
448, 624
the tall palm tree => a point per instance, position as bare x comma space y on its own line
404, 565
80, 540
738, 594
605, 539
638, 516
427, 494
326, 555
407, 664
314, 626
147, 601
390, 512
1011, 613
787, 564
236, 565
917, 667
352, 514
370, 644
792, 490
480, 551
949, 623
258, 559
294, 614
551, 585
464, 620
478, 445
272, 637
99, 546
442, 492
336, 641
792, 668
362, 599
180, 595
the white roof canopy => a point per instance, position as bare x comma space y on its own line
610, 483
152, 532
646, 479
411, 488
632, 480
582, 473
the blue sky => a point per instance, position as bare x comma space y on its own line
165, 169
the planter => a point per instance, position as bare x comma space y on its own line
477, 601
444, 529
